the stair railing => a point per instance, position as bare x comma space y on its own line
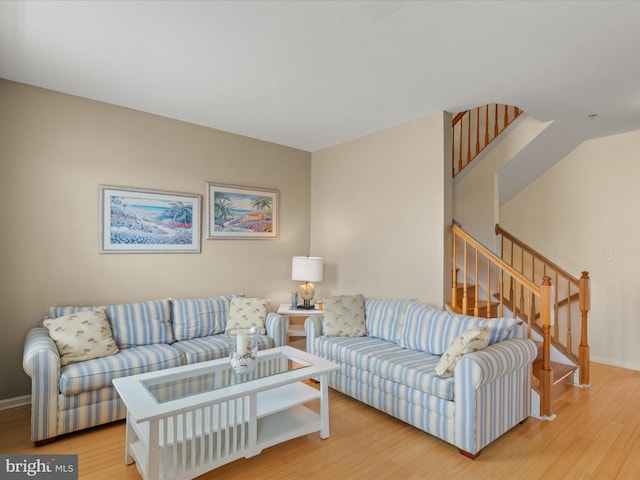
475, 129
478, 265
570, 303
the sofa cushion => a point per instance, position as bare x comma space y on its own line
132, 324
385, 359
344, 316
247, 313
356, 351
432, 331
212, 347
99, 372
384, 318
200, 317
82, 336
472, 340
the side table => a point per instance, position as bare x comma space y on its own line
296, 329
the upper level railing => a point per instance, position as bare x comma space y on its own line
475, 129
473, 266
570, 302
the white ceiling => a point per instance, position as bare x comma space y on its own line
310, 74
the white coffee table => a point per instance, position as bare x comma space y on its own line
185, 421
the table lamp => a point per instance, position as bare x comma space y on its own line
306, 269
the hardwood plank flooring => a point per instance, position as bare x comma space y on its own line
596, 435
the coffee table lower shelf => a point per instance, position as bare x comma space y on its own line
194, 444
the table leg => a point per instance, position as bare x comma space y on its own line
324, 407
129, 439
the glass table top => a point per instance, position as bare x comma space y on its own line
212, 377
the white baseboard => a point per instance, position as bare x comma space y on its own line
8, 403
615, 363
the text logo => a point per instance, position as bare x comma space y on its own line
50, 467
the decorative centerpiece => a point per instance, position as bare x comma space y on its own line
243, 348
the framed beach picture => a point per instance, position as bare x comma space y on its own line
235, 212
134, 220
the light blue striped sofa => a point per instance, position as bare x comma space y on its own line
392, 369
150, 336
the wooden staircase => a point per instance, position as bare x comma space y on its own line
562, 373
486, 285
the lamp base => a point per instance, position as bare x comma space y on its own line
306, 307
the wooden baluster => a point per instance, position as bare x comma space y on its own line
460, 146
511, 297
464, 279
468, 138
506, 117
489, 313
532, 309
454, 275
546, 374
569, 332
501, 291
583, 352
486, 125
522, 310
476, 307
477, 130
495, 125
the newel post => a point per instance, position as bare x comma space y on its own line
546, 374
585, 306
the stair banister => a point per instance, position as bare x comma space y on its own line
572, 284
544, 292
482, 136
494, 258
505, 234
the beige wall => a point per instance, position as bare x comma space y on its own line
57, 149
381, 210
578, 211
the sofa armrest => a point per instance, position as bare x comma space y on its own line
276, 327
492, 392
313, 329
41, 361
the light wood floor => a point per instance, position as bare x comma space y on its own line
596, 435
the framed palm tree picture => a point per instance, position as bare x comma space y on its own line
235, 212
137, 220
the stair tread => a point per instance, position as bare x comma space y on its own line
560, 370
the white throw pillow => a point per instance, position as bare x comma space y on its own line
471, 340
344, 316
247, 313
82, 336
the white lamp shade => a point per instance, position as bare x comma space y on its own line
306, 269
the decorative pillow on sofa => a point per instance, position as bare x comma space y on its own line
472, 340
344, 316
132, 324
430, 330
82, 336
247, 313
200, 317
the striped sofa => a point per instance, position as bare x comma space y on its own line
392, 368
150, 336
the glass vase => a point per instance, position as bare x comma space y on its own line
243, 349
